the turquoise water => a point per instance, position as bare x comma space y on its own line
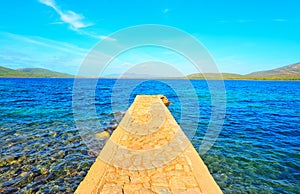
42, 149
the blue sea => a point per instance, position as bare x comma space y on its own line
44, 150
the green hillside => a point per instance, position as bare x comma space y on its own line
32, 73
215, 76
289, 72
6, 72
39, 72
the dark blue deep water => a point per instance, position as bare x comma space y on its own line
43, 150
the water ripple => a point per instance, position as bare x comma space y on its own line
42, 151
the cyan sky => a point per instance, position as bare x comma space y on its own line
242, 36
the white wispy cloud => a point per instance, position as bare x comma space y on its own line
107, 38
48, 43
93, 35
166, 10
74, 20
279, 20
245, 21
19, 51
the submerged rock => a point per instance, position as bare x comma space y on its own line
102, 135
111, 129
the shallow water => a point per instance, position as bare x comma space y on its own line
44, 150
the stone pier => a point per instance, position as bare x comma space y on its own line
148, 153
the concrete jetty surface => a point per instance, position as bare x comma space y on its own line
148, 153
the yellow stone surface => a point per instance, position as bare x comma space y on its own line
148, 153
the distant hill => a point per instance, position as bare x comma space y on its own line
289, 72
32, 73
215, 76
6, 72
285, 72
40, 72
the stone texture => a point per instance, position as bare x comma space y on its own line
148, 153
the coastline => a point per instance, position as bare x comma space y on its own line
154, 78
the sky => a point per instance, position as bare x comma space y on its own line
241, 36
